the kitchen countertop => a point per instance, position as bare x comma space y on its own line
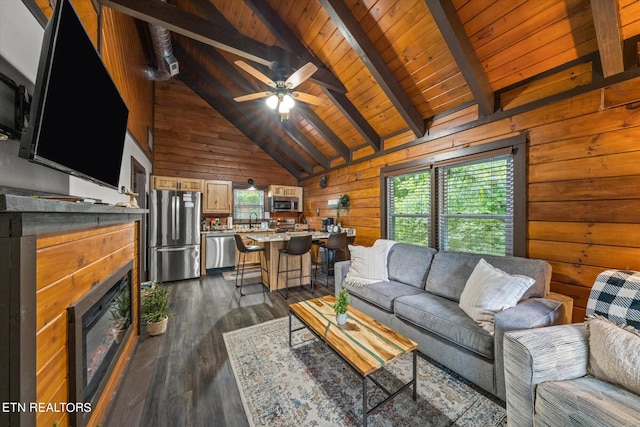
229, 232
282, 237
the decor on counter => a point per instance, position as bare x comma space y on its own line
309, 385
155, 308
132, 203
343, 203
341, 306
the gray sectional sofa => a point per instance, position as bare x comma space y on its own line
420, 300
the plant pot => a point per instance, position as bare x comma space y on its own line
341, 318
157, 328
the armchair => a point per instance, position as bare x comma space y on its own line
580, 374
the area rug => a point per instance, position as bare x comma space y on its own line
309, 385
251, 276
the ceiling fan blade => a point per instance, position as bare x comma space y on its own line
301, 74
310, 99
255, 73
252, 96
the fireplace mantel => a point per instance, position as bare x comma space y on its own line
41, 238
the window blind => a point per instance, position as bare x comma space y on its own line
409, 207
475, 205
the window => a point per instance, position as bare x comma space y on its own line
248, 202
409, 207
467, 202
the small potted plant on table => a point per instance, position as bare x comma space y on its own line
155, 308
342, 303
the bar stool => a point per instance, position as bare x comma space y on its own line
244, 250
335, 242
297, 246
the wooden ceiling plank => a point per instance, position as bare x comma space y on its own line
357, 38
606, 19
304, 143
454, 35
325, 131
356, 119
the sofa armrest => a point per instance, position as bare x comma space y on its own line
340, 270
528, 314
536, 355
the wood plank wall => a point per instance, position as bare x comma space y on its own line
192, 140
124, 57
68, 265
583, 191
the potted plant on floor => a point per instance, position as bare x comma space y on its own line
120, 310
342, 303
155, 308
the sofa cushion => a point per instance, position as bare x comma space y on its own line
585, 401
369, 264
614, 353
382, 294
450, 270
445, 318
409, 263
490, 290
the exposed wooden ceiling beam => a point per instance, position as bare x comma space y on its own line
238, 115
228, 70
606, 20
357, 38
348, 110
324, 130
448, 22
304, 143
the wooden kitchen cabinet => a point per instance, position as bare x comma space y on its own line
175, 183
218, 197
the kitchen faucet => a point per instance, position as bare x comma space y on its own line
250, 221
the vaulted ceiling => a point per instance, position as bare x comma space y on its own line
389, 69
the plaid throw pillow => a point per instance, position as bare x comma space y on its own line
616, 296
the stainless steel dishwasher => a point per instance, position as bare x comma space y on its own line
221, 250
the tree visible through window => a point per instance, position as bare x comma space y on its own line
246, 202
409, 211
473, 210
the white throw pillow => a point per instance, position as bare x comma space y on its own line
614, 353
490, 290
368, 264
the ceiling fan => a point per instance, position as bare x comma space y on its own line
282, 97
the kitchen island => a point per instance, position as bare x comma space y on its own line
272, 243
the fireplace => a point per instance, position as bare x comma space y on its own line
99, 325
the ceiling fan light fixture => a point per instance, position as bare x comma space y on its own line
272, 101
288, 102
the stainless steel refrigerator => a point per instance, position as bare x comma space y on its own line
174, 235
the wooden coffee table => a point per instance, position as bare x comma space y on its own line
365, 344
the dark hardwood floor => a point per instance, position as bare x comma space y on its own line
183, 377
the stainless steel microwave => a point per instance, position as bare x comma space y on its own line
283, 204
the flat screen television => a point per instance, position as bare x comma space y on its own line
78, 120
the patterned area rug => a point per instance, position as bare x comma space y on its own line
251, 275
309, 385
